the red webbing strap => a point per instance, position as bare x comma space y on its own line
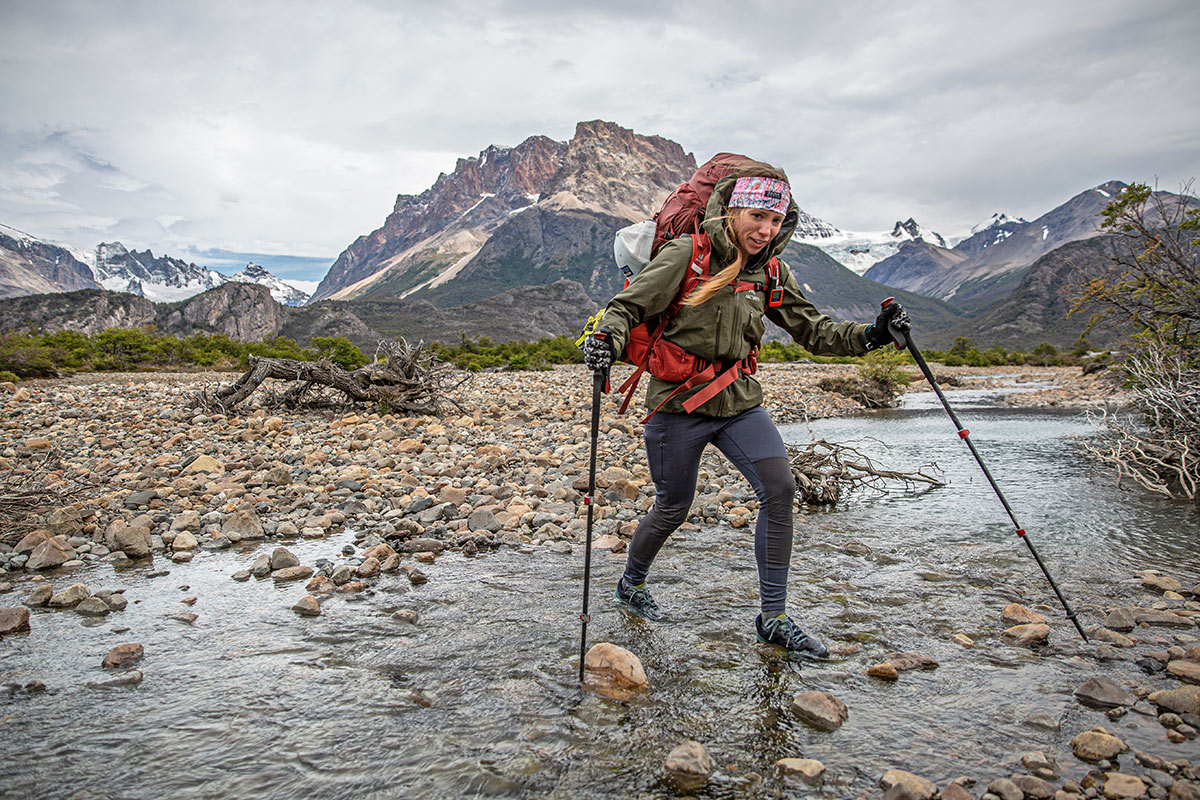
630, 385
714, 388
700, 377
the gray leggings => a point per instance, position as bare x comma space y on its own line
674, 443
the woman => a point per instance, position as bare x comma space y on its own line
748, 220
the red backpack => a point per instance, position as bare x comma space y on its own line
647, 350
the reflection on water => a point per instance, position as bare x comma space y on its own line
478, 698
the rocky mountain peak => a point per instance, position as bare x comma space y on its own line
912, 230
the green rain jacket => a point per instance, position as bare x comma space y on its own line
730, 324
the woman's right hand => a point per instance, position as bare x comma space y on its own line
598, 351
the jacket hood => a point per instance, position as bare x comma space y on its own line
714, 219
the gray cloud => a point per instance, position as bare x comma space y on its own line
289, 127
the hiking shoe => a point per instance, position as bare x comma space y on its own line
637, 599
785, 633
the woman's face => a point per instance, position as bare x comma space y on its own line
754, 228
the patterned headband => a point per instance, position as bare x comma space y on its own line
769, 193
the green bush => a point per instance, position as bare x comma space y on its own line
10, 377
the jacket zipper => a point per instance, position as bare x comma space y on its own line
717, 350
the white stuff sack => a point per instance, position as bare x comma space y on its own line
631, 247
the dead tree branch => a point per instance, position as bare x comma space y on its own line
826, 471
24, 498
402, 378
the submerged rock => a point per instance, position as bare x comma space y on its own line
123, 655
13, 619
808, 770
1103, 693
689, 766
307, 606
1017, 614
820, 710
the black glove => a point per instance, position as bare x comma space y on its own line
893, 315
598, 351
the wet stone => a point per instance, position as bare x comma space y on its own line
689, 766
1097, 745
307, 606
1103, 693
820, 710
93, 607
40, 596
913, 786
1034, 787
1005, 789
13, 619
124, 655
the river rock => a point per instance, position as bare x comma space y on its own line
916, 786
1017, 614
1120, 619
1154, 618
1033, 787
808, 770
821, 710
187, 521
92, 607
244, 524
380, 552
320, 585
123, 655
1097, 745
64, 521
31, 540
1005, 789
1185, 790
1122, 784
1103, 693
884, 671
1188, 671
689, 766
1184, 700
131, 678
69, 597
40, 596
963, 640
406, 615
1160, 583
286, 574
282, 558
52, 552
955, 791
307, 606
132, 540
116, 601
369, 568
904, 662
424, 545
13, 619
1028, 635
612, 670
184, 542
204, 464
1110, 637
136, 500
483, 520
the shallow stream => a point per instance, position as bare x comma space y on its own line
478, 699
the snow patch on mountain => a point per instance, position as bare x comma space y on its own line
858, 251
283, 292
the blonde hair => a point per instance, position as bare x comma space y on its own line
716, 283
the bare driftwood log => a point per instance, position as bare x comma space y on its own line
826, 471
402, 378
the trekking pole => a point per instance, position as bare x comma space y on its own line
599, 378
902, 340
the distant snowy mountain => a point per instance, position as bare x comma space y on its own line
860, 251
161, 280
284, 293
29, 265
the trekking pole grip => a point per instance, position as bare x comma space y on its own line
897, 335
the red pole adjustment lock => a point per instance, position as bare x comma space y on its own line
964, 433
1020, 532
587, 500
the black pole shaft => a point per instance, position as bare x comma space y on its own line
964, 434
598, 380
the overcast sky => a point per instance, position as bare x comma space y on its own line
214, 131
